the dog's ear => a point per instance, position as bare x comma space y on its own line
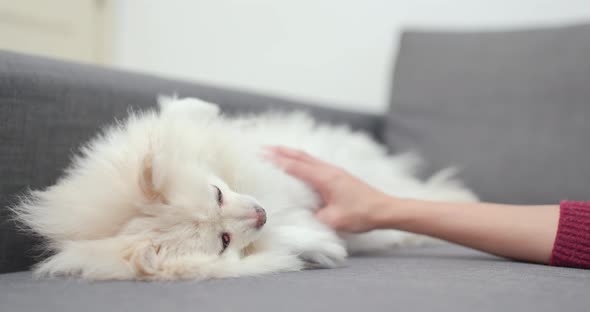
147, 181
193, 108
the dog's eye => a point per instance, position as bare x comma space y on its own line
225, 240
219, 195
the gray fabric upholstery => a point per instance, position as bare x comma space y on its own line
48, 108
509, 109
444, 278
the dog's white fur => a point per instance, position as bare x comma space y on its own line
139, 201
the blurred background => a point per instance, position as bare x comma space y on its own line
337, 52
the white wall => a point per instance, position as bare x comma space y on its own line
336, 51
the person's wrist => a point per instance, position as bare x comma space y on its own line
383, 212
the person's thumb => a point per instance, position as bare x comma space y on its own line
330, 217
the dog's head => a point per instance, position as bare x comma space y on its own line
190, 213
186, 207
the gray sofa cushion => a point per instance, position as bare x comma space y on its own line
444, 278
510, 109
48, 108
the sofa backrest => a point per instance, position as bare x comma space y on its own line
48, 108
509, 109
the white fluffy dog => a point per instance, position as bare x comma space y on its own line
178, 194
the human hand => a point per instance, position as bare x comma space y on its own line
349, 204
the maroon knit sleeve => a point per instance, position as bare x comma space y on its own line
572, 242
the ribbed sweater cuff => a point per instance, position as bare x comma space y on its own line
572, 242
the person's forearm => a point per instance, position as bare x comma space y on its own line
524, 233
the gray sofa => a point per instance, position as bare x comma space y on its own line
509, 109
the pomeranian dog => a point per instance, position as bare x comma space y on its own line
182, 193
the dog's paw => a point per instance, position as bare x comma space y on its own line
145, 260
315, 245
324, 254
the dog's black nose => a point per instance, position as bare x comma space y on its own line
260, 216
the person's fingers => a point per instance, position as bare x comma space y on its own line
304, 171
291, 153
320, 165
